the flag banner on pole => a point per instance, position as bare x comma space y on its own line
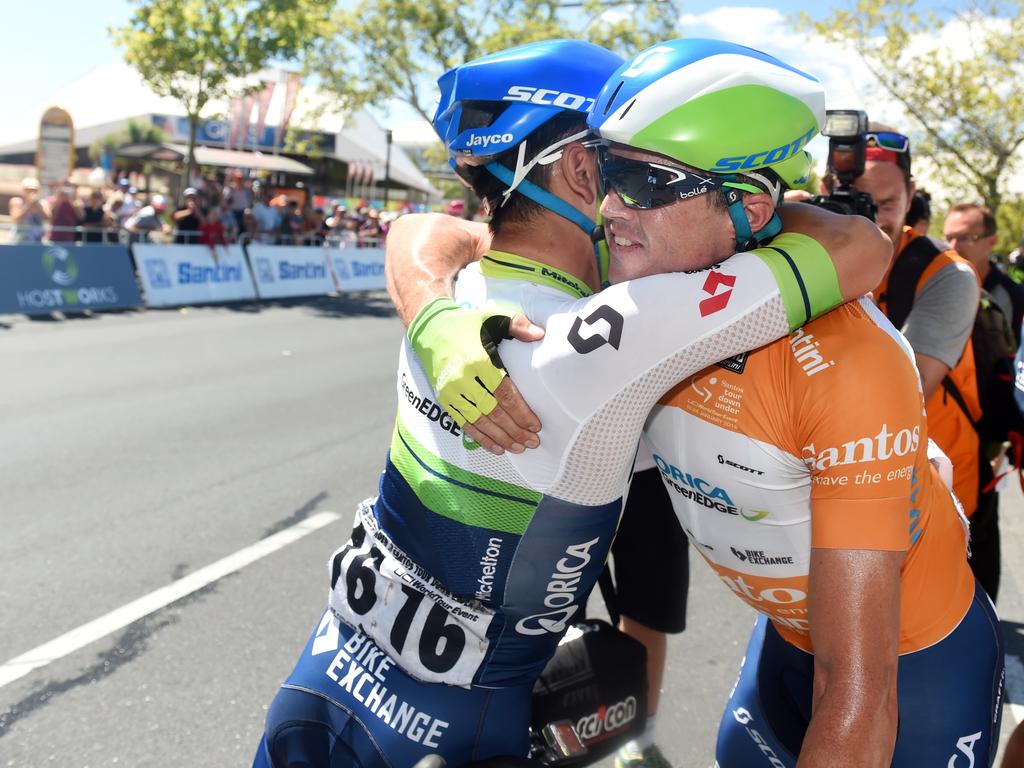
235, 113
263, 98
291, 94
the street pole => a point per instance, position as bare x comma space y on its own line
387, 169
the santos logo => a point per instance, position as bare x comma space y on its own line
494, 138
561, 592
548, 97
607, 720
882, 446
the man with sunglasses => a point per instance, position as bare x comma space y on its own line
941, 316
970, 228
461, 577
876, 596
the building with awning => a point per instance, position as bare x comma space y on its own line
213, 157
337, 154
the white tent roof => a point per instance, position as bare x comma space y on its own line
103, 101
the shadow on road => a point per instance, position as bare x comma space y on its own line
369, 304
130, 645
297, 516
366, 304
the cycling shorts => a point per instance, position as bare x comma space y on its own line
950, 699
348, 704
651, 556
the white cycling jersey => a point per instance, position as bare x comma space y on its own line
468, 567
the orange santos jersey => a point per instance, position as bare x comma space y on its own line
817, 440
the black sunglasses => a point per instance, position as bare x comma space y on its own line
644, 184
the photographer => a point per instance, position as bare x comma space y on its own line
936, 312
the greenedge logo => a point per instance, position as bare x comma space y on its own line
469, 443
59, 265
757, 514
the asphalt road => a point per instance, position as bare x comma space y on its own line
141, 448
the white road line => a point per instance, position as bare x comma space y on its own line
121, 617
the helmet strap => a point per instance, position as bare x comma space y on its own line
542, 198
746, 239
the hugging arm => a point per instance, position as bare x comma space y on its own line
426, 251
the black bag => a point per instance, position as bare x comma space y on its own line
597, 680
992, 339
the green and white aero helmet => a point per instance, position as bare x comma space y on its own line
715, 106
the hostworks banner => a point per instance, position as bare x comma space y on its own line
193, 274
38, 279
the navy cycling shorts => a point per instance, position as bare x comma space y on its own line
950, 699
348, 704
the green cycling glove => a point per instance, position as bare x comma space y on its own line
458, 348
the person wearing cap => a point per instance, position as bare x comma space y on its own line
28, 213
147, 220
941, 317
238, 195
266, 216
188, 219
128, 204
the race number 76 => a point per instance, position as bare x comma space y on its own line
397, 616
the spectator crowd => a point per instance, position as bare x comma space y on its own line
211, 212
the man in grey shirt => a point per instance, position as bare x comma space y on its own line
971, 229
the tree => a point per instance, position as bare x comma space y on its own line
379, 50
199, 50
966, 95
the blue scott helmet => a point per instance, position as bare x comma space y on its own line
523, 88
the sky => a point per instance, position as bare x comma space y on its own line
50, 45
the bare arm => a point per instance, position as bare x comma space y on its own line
423, 254
932, 371
860, 251
854, 599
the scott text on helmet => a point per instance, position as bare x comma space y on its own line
548, 97
764, 157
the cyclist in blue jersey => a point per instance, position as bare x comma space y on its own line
464, 572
